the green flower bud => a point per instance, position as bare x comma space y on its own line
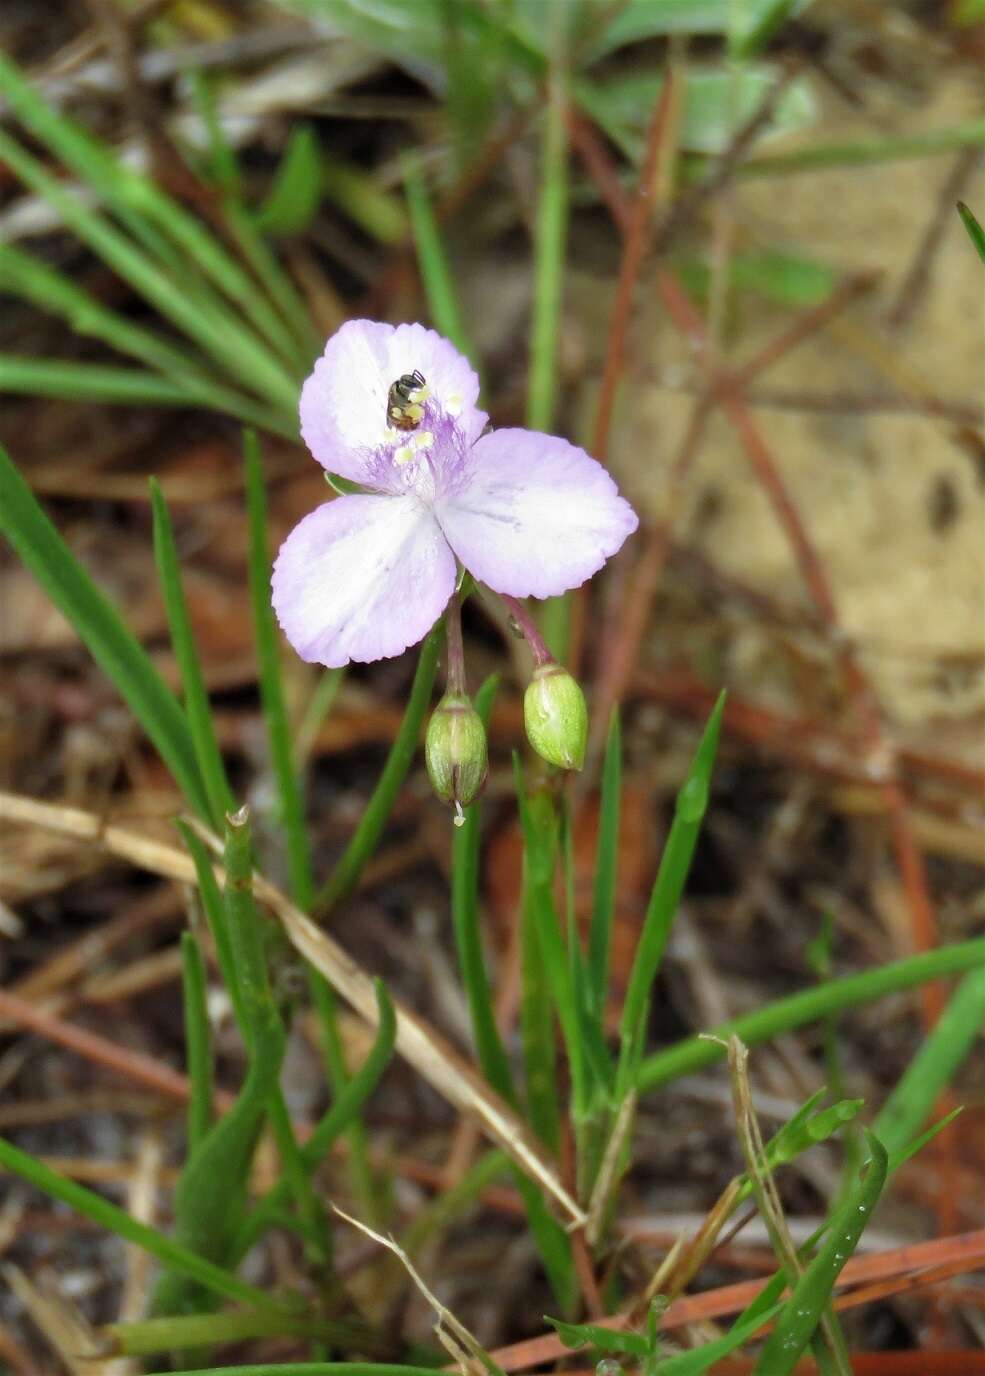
556, 717
455, 751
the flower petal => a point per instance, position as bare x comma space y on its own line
532, 515
361, 578
344, 402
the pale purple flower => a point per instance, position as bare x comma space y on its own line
366, 575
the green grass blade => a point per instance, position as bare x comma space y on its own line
264, 1031
290, 792
184, 375
289, 785
278, 286
117, 1221
864, 152
465, 841
141, 202
218, 330
198, 709
439, 284
606, 863
190, 1331
338, 1119
695, 1053
218, 918
771, 1292
23, 275
934, 1065
538, 822
365, 839
309, 1369
295, 196
549, 244
316, 714
692, 800
704, 1358
358, 193
537, 1028
223, 171
750, 34
198, 1040
549, 1236
975, 232
549, 248
95, 382
211, 1195
222, 165
121, 657
801, 1314
215, 916
32, 280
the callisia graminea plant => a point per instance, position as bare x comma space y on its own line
394, 410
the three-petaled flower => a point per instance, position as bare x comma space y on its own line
393, 409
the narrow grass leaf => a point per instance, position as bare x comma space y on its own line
142, 202
692, 800
750, 35
465, 841
221, 331
550, 1238
198, 1040
211, 1195
117, 1221
932, 1068
308, 1369
117, 652
215, 916
198, 709
365, 839
606, 863
264, 1031
811, 1295
343, 1113
704, 1358
190, 1331
67, 380
975, 232
295, 195
863, 152
439, 284
692, 1054
538, 821
358, 193
288, 780
550, 236
577, 1335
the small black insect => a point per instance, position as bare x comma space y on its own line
404, 404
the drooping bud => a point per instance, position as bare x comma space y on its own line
455, 751
556, 717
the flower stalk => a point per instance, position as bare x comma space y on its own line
455, 748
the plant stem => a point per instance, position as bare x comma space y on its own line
533, 637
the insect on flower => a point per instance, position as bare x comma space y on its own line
404, 406
367, 574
